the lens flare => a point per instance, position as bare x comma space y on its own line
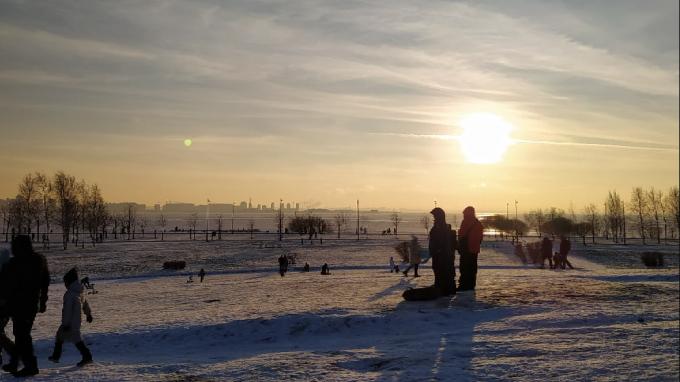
485, 138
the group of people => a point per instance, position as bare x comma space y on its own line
539, 252
24, 285
284, 261
443, 243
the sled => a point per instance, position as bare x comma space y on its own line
421, 294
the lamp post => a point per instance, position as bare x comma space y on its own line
516, 233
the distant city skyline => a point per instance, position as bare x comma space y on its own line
397, 103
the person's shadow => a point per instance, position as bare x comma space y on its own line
433, 340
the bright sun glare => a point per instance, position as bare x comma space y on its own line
485, 137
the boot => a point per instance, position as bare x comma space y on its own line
30, 368
85, 353
12, 366
56, 353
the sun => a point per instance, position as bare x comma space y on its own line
485, 138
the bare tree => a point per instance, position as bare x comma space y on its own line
65, 190
425, 223
5, 213
535, 219
671, 202
639, 207
396, 220
29, 202
614, 215
162, 222
96, 214
340, 221
593, 219
47, 206
655, 201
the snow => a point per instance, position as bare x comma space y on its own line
601, 321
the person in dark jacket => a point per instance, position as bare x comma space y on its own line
442, 252
470, 237
546, 252
565, 247
6, 343
201, 274
26, 294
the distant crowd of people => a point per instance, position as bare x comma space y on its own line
24, 285
538, 252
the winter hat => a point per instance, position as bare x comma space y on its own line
71, 276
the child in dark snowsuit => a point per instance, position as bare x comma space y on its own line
69, 330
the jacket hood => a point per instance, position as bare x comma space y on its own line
469, 212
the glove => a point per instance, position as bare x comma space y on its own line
43, 307
89, 318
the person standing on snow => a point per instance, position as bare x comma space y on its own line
565, 247
441, 247
470, 239
69, 330
201, 274
546, 252
25, 291
392, 264
413, 259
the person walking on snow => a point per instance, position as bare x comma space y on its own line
565, 247
201, 274
25, 290
470, 239
413, 259
546, 252
69, 330
392, 265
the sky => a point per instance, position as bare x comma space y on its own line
324, 103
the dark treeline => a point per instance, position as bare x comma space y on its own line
76, 211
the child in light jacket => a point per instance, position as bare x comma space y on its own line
69, 330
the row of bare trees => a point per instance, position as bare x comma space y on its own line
652, 214
74, 206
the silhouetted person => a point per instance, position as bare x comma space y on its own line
5, 342
413, 259
25, 290
325, 270
86, 282
201, 274
306, 267
392, 265
441, 249
470, 237
565, 247
546, 252
282, 265
69, 330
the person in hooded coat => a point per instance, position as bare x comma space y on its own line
5, 342
24, 289
69, 330
441, 249
470, 237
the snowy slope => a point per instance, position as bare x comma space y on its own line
247, 323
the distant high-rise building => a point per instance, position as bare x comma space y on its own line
250, 203
243, 205
297, 206
287, 206
272, 205
157, 207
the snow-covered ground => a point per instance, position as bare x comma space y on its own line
601, 321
